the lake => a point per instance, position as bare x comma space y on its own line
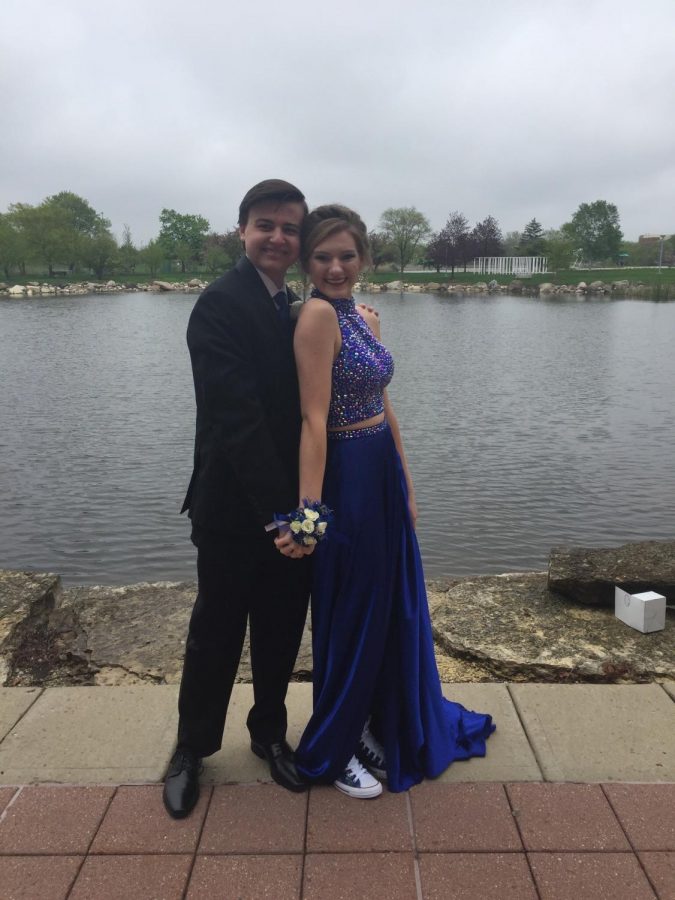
527, 422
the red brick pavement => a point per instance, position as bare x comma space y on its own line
462, 841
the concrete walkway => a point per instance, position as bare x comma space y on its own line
575, 799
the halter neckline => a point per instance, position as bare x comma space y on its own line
317, 293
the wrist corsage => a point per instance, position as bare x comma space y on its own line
307, 523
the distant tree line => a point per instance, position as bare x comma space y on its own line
593, 235
64, 235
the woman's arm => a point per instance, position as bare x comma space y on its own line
316, 344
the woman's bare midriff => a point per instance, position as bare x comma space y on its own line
364, 423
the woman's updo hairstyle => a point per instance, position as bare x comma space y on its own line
325, 221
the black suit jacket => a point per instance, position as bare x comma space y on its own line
248, 409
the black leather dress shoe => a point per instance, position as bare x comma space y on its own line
181, 785
282, 766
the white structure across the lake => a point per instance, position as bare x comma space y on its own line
510, 265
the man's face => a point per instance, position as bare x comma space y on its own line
271, 237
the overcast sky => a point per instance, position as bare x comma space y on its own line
514, 108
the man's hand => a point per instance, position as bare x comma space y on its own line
370, 309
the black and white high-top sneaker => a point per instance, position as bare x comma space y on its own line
370, 753
356, 781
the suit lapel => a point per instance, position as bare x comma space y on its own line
260, 296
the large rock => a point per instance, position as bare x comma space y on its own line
109, 635
486, 629
520, 631
26, 600
121, 635
589, 575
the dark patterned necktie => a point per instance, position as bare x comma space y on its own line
281, 303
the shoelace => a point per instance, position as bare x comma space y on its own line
371, 748
185, 760
355, 770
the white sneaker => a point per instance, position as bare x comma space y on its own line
356, 781
370, 753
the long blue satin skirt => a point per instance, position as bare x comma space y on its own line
371, 634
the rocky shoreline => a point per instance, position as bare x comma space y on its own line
535, 626
195, 285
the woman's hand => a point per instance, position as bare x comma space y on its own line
412, 509
288, 547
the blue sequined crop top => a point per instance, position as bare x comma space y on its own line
362, 370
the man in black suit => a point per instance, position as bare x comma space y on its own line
245, 471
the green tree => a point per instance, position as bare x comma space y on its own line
487, 237
221, 251
380, 249
669, 251
47, 239
152, 256
405, 228
457, 231
99, 252
511, 243
215, 258
182, 236
559, 250
596, 230
78, 213
437, 250
85, 231
127, 256
532, 242
12, 248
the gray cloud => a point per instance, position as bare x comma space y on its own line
515, 109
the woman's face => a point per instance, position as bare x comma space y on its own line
334, 265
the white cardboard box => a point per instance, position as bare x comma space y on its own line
646, 611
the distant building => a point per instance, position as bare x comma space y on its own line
651, 238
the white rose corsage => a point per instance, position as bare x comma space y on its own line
307, 523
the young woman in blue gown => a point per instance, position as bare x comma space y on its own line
378, 707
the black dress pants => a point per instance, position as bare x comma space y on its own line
240, 580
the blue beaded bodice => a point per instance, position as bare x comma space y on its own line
362, 370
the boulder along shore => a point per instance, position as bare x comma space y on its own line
534, 626
194, 286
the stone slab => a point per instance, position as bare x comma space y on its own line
520, 631
93, 735
669, 687
14, 702
26, 598
377, 876
109, 636
509, 755
589, 574
597, 733
235, 763
467, 876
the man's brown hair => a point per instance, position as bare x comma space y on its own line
273, 189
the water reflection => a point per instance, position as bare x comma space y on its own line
527, 423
